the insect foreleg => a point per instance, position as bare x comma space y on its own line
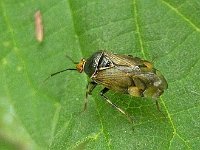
90, 87
114, 105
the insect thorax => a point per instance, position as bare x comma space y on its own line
96, 62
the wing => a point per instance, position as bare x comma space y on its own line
126, 71
125, 60
114, 79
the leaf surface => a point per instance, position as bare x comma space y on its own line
46, 115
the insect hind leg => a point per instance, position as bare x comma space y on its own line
158, 107
102, 92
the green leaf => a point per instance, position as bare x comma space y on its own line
46, 115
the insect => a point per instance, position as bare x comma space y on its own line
122, 73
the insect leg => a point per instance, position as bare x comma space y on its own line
158, 107
138, 87
114, 105
134, 91
155, 97
90, 87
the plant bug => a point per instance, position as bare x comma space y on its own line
122, 73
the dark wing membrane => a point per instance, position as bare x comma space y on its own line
114, 79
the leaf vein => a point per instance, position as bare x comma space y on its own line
185, 75
107, 138
102, 25
175, 48
184, 110
181, 15
90, 138
78, 40
16, 51
11, 31
138, 28
173, 126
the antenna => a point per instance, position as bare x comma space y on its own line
53, 74
74, 62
